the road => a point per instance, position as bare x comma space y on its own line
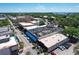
21, 37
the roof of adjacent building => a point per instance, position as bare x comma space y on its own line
2, 17
31, 27
34, 27
26, 24
12, 17
51, 40
5, 30
8, 44
4, 37
37, 18
25, 18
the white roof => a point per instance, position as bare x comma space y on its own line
4, 37
25, 24
33, 21
37, 18
4, 29
45, 16
52, 40
30, 27
8, 44
2, 18
12, 17
33, 27
52, 17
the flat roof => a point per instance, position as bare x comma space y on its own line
12, 17
2, 18
26, 24
4, 37
31, 27
33, 21
37, 18
8, 44
51, 40
3, 29
34, 27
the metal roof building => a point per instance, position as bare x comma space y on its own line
25, 24
34, 27
7, 44
5, 30
7, 48
26, 18
53, 40
2, 17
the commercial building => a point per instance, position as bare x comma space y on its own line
12, 17
52, 41
5, 30
34, 27
2, 17
29, 25
25, 24
8, 43
31, 22
24, 18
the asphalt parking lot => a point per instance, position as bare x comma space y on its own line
66, 51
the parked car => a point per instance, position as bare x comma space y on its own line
53, 53
67, 45
62, 48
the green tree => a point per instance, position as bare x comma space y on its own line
4, 22
72, 31
41, 22
21, 45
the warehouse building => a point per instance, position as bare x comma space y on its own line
34, 27
25, 24
5, 30
2, 17
52, 41
24, 18
8, 43
33, 24
12, 17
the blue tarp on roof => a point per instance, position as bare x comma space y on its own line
33, 37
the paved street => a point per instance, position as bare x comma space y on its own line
27, 44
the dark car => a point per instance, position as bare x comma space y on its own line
67, 45
62, 48
53, 53
73, 39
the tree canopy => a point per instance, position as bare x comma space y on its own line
72, 31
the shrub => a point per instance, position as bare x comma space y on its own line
21, 45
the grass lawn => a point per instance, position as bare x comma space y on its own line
4, 22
